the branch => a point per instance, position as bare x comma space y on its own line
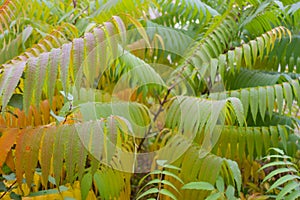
8, 189
74, 3
161, 104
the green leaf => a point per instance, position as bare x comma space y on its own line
16, 101
81, 159
161, 162
57, 153
90, 63
270, 99
278, 156
30, 154
167, 173
230, 55
205, 172
296, 89
277, 163
140, 29
293, 195
9, 81
30, 82
171, 167
238, 57
152, 182
212, 45
2, 187
288, 95
253, 102
54, 62
10, 177
222, 64
204, 53
85, 185
213, 69
58, 118
216, 40
120, 27
64, 66
220, 184
262, 101
274, 135
283, 136
260, 44
15, 196
167, 193
150, 191
214, 196
283, 180
72, 151
254, 50
250, 143
77, 60
238, 108
280, 151
230, 192
25, 35
40, 77
46, 154
258, 141
266, 138
279, 171
288, 189
166, 182
247, 55
233, 141
48, 192
267, 43
235, 170
279, 97
245, 101
198, 186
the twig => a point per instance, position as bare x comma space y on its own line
161, 104
8, 189
74, 3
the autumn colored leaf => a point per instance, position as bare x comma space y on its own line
7, 140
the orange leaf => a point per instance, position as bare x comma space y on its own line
37, 117
45, 108
46, 153
30, 153
10, 161
19, 156
21, 118
7, 140
2, 122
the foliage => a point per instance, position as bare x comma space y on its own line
191, 94
161, 180
218, 192
285, 176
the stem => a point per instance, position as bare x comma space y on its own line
74, 3
8, 189
160, 184
161, 104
